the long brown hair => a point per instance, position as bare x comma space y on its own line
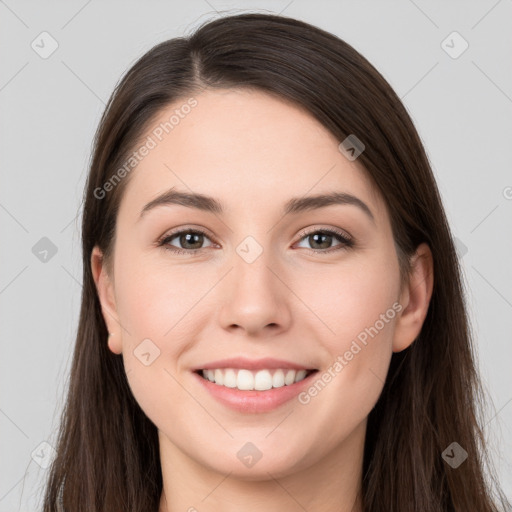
107, 450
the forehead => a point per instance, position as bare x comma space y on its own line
245, 147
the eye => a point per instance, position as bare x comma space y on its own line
191, 241
321, 239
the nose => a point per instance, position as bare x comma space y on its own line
255, 298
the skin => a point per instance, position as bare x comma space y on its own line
253, 152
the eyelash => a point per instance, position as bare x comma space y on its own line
346, 242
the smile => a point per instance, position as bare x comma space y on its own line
256, 391
247, 380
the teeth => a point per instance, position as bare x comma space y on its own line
219, 377
230, 380
247, 380
278, 379
289, 377
300, 375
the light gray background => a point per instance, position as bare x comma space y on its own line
51, 107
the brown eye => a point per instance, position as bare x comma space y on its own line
189, 240
321, 240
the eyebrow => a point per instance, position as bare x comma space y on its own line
293, 206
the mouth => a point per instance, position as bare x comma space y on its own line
254, 380
254, 391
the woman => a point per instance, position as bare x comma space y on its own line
272, 313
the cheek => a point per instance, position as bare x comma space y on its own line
156, 306
159, 307
357, 310
156, 299
351, 297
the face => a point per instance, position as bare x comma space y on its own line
314, 289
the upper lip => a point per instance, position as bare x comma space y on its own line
253, 364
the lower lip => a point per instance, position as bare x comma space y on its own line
253, 401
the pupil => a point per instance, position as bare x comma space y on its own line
325, 244
187, 238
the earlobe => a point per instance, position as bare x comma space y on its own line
415, 299
105, 290
114, 344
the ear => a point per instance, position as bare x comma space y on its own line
105, 289
415, 299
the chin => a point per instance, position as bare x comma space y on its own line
260, 467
